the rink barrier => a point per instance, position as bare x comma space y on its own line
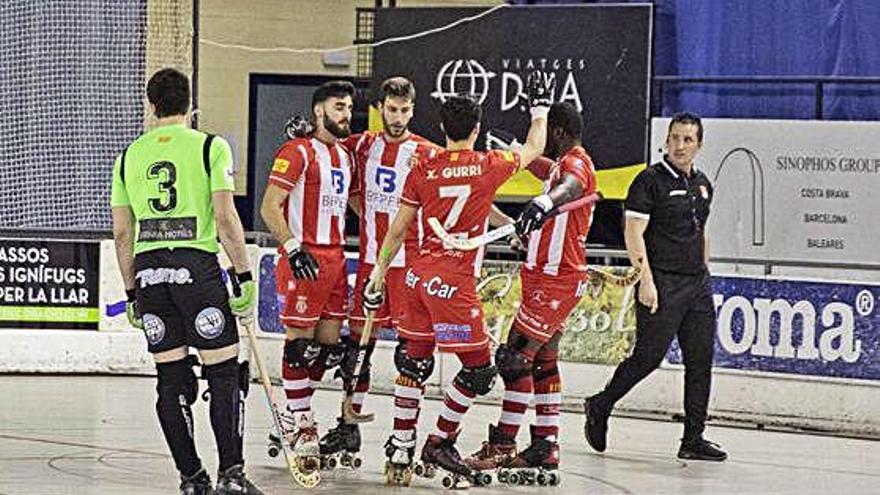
845, 401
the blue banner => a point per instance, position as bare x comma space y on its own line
799, 327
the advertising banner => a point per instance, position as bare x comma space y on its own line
796, 191
795, 326
786, 326
49, 284
600, 56
600, 329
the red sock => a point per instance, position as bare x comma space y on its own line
517, 396
295, 382
458, 399
408, 394
548, 394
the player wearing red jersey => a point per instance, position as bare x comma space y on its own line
457, 187
304, 207
553, 281
382, 163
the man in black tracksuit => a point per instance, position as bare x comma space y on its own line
666, 212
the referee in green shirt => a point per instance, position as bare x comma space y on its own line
172, 198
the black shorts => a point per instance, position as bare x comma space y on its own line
183, 301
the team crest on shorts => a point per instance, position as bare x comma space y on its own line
301, 304
154, 328
210, 322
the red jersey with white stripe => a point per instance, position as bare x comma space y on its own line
380, 171
559, 246
458, 188
318, 176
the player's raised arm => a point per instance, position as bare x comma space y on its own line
540, 86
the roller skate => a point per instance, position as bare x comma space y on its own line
340, 446
440, 453
399, 466
536, 465
232, 481
301, 433
495, 452
197, 484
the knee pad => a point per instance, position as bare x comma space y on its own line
301, 352
512, 365
477, 380
331, 355
223, 371
177, 379
416, 369
545, 369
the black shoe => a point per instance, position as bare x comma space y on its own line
346, 436
232, 481
197, 484
595, 425
700, 449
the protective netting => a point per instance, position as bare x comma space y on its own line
71, 98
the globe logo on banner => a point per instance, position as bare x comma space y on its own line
463, 77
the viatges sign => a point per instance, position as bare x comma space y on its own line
469, 76
599, 55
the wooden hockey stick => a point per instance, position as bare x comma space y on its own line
632, 275
348, 413
469, 244
302, 478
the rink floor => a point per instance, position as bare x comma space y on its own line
99, 435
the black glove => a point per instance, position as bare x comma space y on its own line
303, 264
298, 127
533, 216
373, 299
540, 87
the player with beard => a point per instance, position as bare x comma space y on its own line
553, 280
304, 208
381, 165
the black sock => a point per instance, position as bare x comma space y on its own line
227, 411
177, 389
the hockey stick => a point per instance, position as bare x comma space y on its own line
481, 240
311, 479
348, 413
632, 275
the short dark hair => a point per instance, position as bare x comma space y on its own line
565, 116
399, 87
168, 91
332, 89
460, 114
687, 118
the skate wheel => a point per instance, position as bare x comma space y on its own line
356, 462
331, 462
542, 479
273, 451
514, 479
483, 479
345, 461
554, 479
448, 482
420, 470
503, 476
